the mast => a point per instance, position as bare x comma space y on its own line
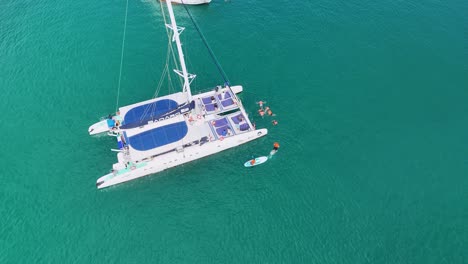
177, 31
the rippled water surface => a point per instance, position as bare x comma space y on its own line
371, 100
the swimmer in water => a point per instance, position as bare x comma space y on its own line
274, 122
276, 146
275, 149
261, 112
260, 103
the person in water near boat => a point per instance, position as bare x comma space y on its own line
276, 146
268, 111
275, 149
261, 112
260, 103
274, 122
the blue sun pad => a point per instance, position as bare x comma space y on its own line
159, 136
227, 102
148, 111
238, 118
220, 122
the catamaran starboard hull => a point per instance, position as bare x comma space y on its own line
175, 158
191, 2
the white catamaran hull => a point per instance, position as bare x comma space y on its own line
99, 127
175, 158
191, 2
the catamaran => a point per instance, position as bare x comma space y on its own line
174, 129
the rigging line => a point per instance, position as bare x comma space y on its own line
166, 69
160, 83
158, 89
121, 58
170, 87
153, 105
220, 69
175, 60
169, 38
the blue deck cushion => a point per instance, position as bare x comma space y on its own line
209, 107
220, 122
159, 136
110, 123
238, 118
207, 100
224, 96
222, 131
244, 127
122, 141
227, 102
147, 111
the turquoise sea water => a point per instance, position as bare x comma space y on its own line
371, 103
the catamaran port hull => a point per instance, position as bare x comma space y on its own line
175, 158
191, 2
99, 127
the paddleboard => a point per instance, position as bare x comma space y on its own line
258, 161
